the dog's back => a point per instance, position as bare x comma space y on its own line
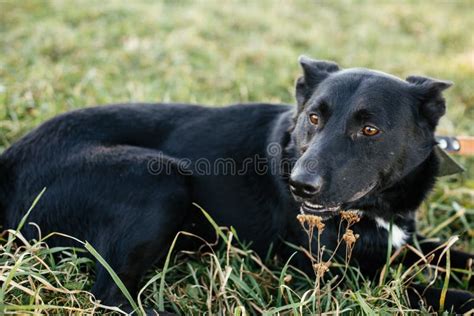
60, 152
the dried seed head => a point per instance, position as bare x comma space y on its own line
350, 238
312, 221
350, 216
320, 225
287, 279
321, 268
301, 218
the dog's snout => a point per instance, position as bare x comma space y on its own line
305, 186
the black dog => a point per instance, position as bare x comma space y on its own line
124, 177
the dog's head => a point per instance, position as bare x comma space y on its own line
358, 131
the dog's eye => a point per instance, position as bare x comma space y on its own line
370, 130
314, 119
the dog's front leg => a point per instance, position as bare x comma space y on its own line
457, 300
459, 260
460, 302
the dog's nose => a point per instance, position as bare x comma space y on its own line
304, 186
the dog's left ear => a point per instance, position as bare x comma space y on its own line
314, 72
430, 94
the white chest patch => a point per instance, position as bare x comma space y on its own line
399, 236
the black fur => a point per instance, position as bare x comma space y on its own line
103, 170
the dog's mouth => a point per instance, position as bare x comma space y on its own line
328, 211
319, 210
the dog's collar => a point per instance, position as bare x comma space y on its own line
447, 165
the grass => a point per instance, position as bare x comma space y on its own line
62, 55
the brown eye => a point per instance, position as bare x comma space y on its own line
370, 130
314, 119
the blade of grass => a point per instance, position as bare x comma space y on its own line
281, 281
114, 275
213, 223
242, 285
444, 290
363, 304
161, 290
10, 276
25, 217
446, 222
11, 237
389, 252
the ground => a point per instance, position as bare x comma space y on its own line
62, 55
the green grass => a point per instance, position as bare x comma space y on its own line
61, 55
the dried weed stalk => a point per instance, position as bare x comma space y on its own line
348, 238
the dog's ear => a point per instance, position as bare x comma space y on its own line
429, 92
314, 71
